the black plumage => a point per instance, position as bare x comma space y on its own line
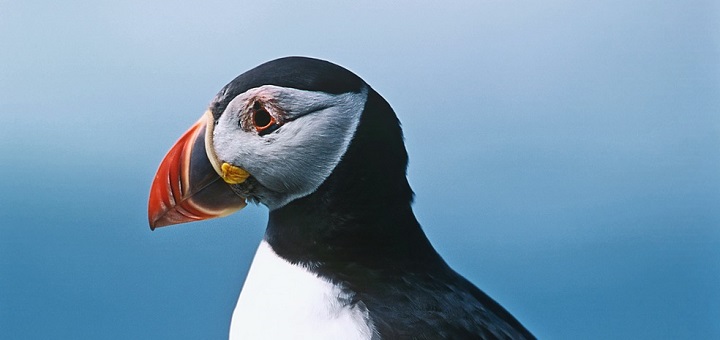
358, 229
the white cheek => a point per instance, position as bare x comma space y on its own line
300, 155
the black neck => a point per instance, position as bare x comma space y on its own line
360, 218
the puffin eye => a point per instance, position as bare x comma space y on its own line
263, 121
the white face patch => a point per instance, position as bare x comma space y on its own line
284, 301
295, 159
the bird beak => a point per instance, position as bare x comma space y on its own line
190, 185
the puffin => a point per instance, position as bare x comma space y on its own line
343, 255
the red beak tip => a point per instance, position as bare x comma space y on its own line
160, 222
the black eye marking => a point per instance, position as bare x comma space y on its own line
262, 120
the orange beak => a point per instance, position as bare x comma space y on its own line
187, 187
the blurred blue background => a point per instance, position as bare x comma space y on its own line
565, 156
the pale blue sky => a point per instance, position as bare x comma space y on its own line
565, 156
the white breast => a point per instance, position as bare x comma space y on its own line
283, 301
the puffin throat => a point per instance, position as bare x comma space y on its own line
362, 208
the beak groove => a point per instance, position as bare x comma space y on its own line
187, 187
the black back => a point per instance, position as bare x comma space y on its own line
358, 230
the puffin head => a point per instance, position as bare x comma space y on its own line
272, 135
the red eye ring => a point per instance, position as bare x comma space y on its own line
263, 120
261, 117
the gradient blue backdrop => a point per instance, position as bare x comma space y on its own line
565, 156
